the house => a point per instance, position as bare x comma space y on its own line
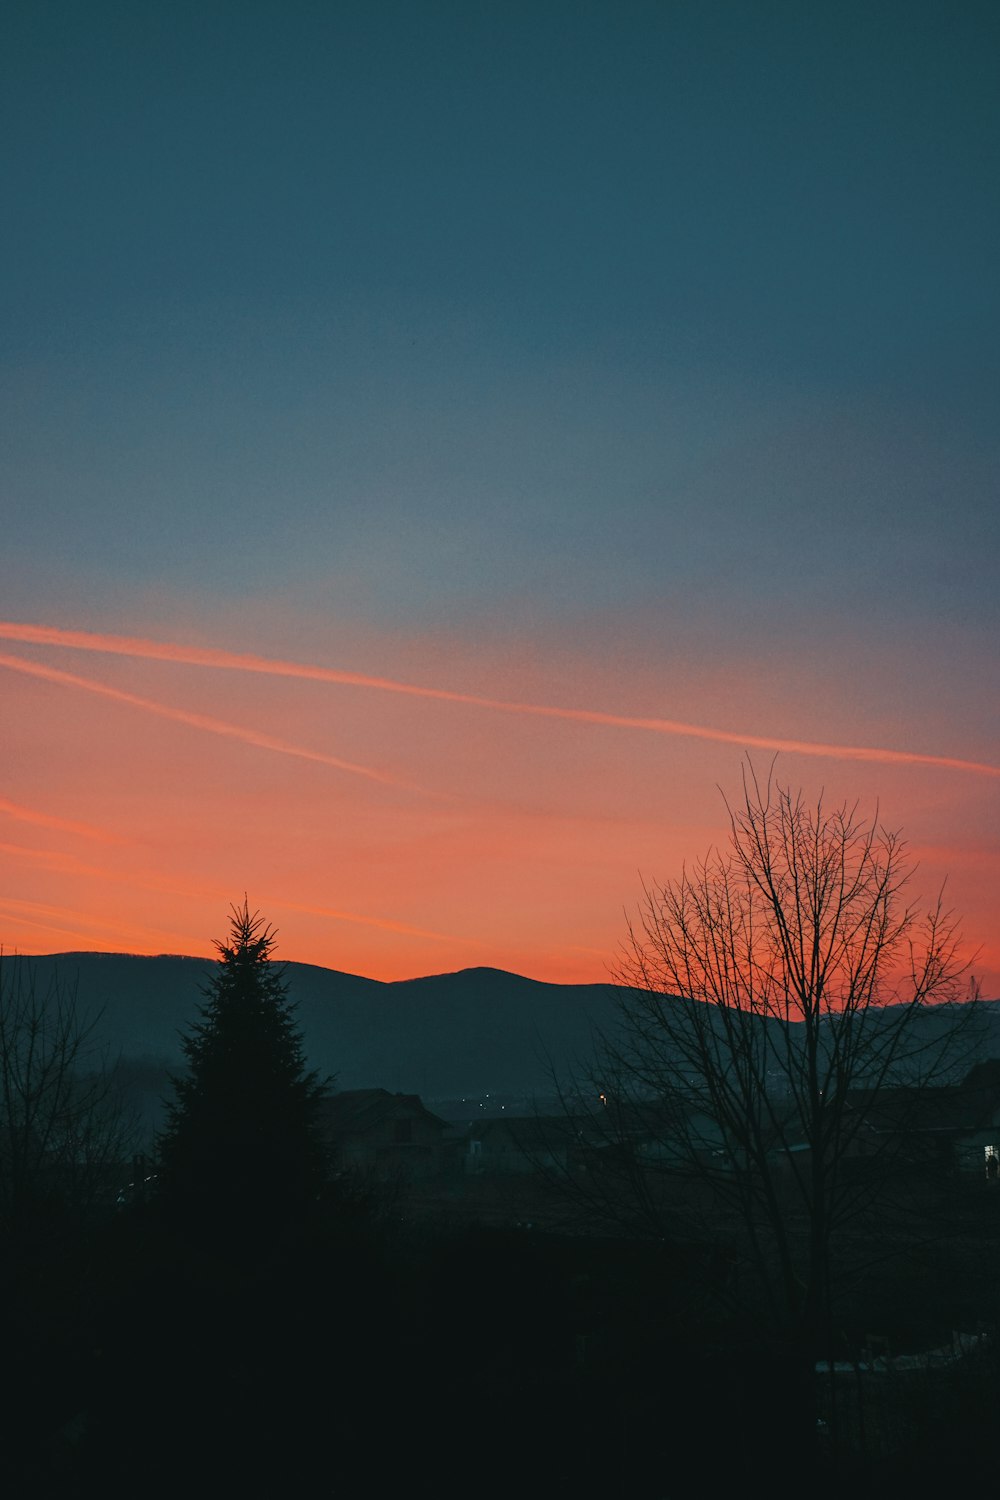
620, 1137
667, 1135
510, 1144
955, 1127
952, 1128
383, 1134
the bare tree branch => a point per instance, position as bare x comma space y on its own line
767, 998
63, 1128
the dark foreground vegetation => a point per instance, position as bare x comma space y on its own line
354, 1348
248, 1317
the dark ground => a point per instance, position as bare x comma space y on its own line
399, 1348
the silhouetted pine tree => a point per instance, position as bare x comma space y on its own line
242, 1140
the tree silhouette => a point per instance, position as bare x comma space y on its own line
64, 1134
242, 1140
240, 1261
63, 1127
783, 1010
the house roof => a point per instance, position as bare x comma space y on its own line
355, 1111
956, 1107
530, 1132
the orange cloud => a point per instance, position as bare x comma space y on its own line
69, 864
64, 825
64, 864
385, 923
33, 914
45, 635
198, 721
24, 921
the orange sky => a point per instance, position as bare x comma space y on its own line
503, 817
436, 453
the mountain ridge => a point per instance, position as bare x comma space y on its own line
468, 1031
473, 1033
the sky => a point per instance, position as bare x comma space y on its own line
441, 440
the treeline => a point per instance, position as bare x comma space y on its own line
245, 1316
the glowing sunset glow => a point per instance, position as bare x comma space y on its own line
167, 651
526, 852
622, 404
196, 721
10, 809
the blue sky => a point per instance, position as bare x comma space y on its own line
493, 264
643, 352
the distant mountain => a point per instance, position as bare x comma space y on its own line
477, 1031
445, 1036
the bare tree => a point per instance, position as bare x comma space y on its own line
770, 999
63, 1128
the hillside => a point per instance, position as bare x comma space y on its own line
473, 1033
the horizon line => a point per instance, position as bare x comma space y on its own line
370, 979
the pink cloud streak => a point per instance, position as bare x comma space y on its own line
78, 640
63, 825
68, 864
197, 721
12, 906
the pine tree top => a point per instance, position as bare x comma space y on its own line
245, 1113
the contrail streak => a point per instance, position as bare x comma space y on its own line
386, 923
72, 932
64, 825
86, 926
118, 645
69, 864
197, 721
